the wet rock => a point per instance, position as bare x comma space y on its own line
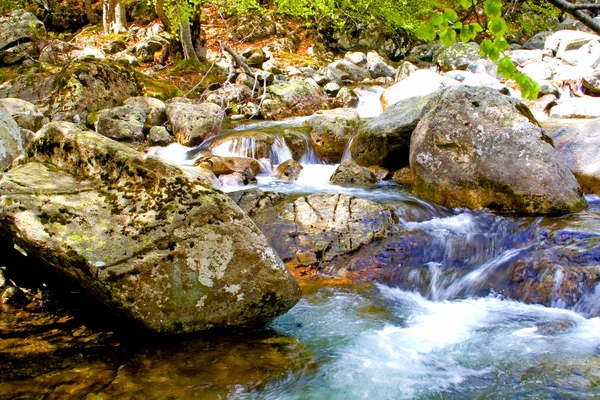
159, 136
346, 98
297, 141
378, 68
385, 139
255, 200
332, 89
578, 142
354, 72
331, 74
380, 173
226, 165
419, 83
524, 57
154, 109
537, 41
27, 115
152, 243
288, 170
350, 173
125, 123
405, 70
592, 82
458, 56
11, 144
463, 155
403, 176
19, 27
294, 98
191, 123
357, 58
330, 131
326, 225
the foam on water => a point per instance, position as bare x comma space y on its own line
420, 348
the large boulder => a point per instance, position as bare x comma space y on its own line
458, 56
89, 85
385, 139
291, 99
577, 107
578, 142
147, 47
192, 123
330, 131
475, 149
419, 83
312, 230
124, 123
18, 28
10, 139
151, 242
27, 115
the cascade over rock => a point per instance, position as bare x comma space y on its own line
151, 242
475, 149
330, 131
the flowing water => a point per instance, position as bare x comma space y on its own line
439, 324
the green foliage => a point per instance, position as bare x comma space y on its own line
533, 17
445, 26
9, 5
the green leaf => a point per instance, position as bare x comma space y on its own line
426, 32
466, 4
451, 16
497, 26
494, 54
529, 88
507, 68
448, 37
476, 27
500, 44
485, 47
493, 8
457, 25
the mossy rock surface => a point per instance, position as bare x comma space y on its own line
154, 244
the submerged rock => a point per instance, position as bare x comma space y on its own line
475, 149
153, 243
312, 230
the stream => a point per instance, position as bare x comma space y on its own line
429, 328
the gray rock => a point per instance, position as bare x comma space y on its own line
357, 58
288, 170
537, 41
293, 98
475, 149
11, 144
191, 123
578, 142
25, 114
330, 131
405, 70
418, 84
159, 136
124, 123
154, 244
18, 27
350, 173
592, 82
154, 109
354, 72
346, 98
458, 56
385, 140
145, 49
57, 52
332, 89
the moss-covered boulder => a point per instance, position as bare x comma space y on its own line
292, 99
474, 148
331, 130
124, 123
88, 85
153, 243
17, 30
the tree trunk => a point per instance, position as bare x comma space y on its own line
108, 14
159, 7
120, 22
113, 16
89, 12
187, 44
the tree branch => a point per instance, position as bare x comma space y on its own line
575, 10
237, 58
